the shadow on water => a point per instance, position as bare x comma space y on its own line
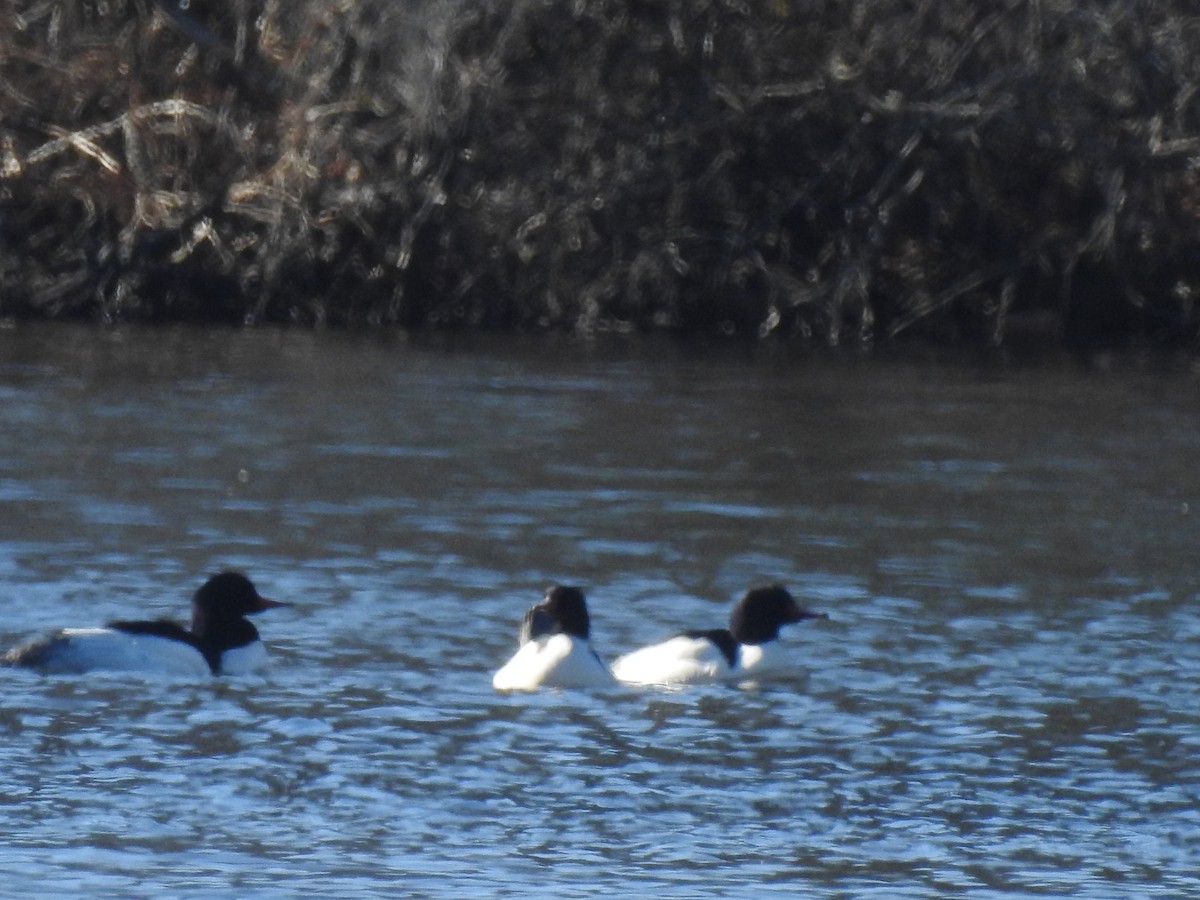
1003, 702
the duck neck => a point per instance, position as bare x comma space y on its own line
216, 634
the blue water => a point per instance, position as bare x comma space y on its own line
1004, 702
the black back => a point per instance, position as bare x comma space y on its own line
165, 628
159, 628
723, 640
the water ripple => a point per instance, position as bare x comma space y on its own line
1003, 702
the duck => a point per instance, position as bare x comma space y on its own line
747, 649
220, 641
555, 649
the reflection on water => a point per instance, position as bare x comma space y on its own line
1003, 703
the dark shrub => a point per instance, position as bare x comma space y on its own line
833, 169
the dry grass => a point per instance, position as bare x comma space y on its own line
834, 170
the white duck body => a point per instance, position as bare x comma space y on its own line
558, 660
75, 651
221, 641
694, 659
749, 648
554, 647
245, 660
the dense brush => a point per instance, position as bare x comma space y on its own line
817, 168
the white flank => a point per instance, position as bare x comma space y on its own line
244, 660
555, 661
689, 660
108, 650
678, 660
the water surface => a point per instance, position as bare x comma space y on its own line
1003, 703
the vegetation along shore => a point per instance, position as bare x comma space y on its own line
833, 170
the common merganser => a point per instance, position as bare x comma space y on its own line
747, 649
221, 640
555, 650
